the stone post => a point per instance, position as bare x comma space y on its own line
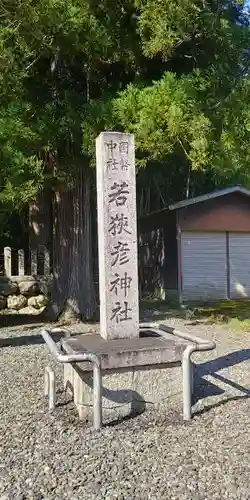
33, 264
117, 235
21, 262
46, 268
7, 261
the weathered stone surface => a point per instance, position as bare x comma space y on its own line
7, 312
45, 284
127, 353
7, 261
135, 372
21, 262
117, 235
29, 288
30, 311
3, 302
8, 288
16, 302
38, 301
135, 389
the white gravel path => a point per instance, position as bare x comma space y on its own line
152, 456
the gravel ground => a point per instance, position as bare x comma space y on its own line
152, 456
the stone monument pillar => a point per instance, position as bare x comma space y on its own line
134, 369
117, 235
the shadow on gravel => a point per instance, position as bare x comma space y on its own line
220, 403
119, 420
27, 340
20, 320
205, 388
230, 359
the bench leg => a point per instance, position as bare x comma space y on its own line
187, 376
50, 387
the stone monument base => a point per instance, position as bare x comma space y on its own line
125, 392
136, 373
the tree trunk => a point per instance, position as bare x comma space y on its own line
40, 227
40, 230
73, 293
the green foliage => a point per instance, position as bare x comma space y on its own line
174, 72
204, 32
198, 114
172, 116
55, 56
164, 26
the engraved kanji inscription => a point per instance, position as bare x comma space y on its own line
119, 193
118, 224
123, 147
110, 147
112, 164
124, 163
121, 282
120, 254
121, 312
117, 235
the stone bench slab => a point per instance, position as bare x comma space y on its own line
149, 349
136, 372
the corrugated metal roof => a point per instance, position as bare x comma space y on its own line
209, 196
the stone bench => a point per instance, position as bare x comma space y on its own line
126, 374
136, 372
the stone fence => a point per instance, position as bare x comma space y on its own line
25, 293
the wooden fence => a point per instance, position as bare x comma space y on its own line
18, 263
